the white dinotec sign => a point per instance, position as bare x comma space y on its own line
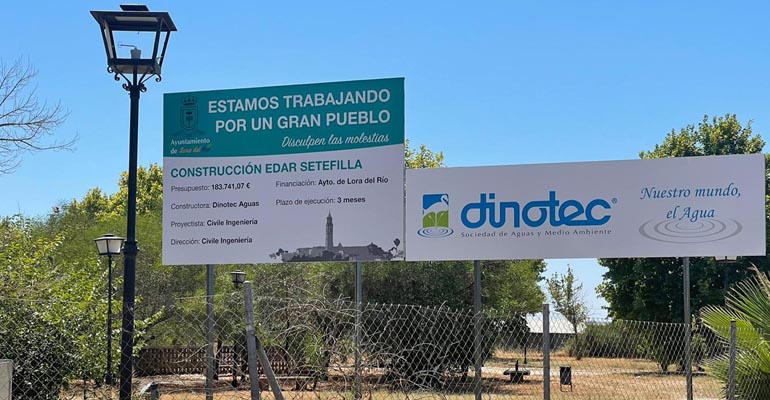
289, 173
672, 207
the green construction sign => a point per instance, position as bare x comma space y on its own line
284, 119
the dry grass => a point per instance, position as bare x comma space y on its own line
649, 387
593, 378
507, 358
603, 386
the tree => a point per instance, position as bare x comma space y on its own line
26, 122
567, 295
149, 191
748, 303
51, 323
79, 221
422, 158
44, 355
651, 288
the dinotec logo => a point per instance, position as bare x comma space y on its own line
435, 216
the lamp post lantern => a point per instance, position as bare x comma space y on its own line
135, 70
238, 278
109, 245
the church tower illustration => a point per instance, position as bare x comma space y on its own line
329, 232
328, 251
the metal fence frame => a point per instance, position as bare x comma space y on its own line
341, 348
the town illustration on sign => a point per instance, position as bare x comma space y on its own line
330, 252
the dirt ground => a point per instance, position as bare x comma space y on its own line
592, 378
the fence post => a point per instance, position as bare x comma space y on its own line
257, 350
357, 351
687, 328
731, 373
546, 352
251, 341
477, 328
6, 379
268, 370
210, 365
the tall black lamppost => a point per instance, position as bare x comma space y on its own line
135, 70
109, 245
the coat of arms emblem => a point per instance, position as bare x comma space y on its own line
188, 113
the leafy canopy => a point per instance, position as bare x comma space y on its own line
567, 295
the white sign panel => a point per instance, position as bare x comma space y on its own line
284, 174
672, 207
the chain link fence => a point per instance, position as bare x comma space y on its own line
334, 349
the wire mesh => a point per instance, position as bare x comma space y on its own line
406, 351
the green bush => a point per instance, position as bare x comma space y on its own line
612, 340
44, 356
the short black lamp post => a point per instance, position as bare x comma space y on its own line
135, 70
109, 245
238, 278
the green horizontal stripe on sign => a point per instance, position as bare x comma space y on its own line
284, 119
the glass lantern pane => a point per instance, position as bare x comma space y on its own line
115, 245
101, 246
125, 42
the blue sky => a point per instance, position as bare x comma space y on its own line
486, 83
